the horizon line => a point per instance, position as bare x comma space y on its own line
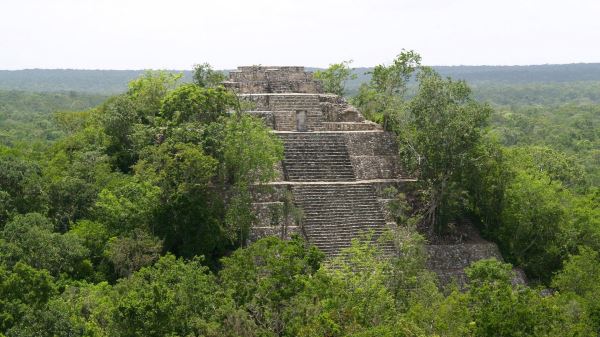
357, 67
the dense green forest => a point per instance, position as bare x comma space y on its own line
127, 215
31, 116
107, 82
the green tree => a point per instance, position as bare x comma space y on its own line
500, 309
131, 252
94, 236
22, 290
30, 239
127, 204
533, 221
21, 188
171, 298
117, 118
186, 215
353, 296
263, 278
247, 152
193, 103
335, 76
581, 276
148, 91
557, 165
205, 76
75, 169
385, 93
584, 217
438, 133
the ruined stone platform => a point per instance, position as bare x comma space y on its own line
337, 166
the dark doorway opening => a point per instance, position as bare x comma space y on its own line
301, 120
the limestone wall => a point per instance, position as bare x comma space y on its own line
449, 261
374, 155
262, 79
273, 216
336, 109
271, 220
282, 110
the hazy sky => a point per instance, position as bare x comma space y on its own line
175, 34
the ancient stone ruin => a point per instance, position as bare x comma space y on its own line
336, 168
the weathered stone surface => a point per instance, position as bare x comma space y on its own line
262, 79
336, 109
375, 167
449, 261
350, 126
284, 232
376, 143
334, 214
286, 108
267, 116
460, 256
269, 193
374, 155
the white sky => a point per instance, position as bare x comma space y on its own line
175, 34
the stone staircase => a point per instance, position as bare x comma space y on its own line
316, 156
293, 102
334, 214
336, 208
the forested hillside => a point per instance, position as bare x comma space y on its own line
125, 207
115, 81
31, 116
106, 82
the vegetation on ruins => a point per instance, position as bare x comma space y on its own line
335, 77
535, 201
127, 216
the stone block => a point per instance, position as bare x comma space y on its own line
371, 143
376, 167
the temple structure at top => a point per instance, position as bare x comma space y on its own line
261, 79
289, 99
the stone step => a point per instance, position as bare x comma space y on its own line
309, 171
316, 157
315, 147
362, 219
307, 155
315, 167
346, 227
354, 207
336, 214
331, 242
326, 195
334, 221
310, 161
459, 255
363, 211
321, 177
333, 199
